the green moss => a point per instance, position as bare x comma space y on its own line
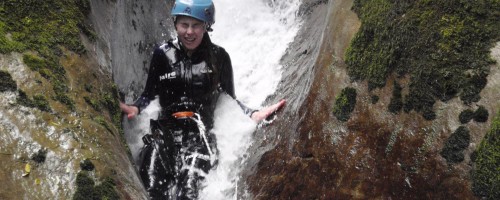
100, 120
61, 89
89, 88
34, 62
110, 102
106, 190
481, 114
24, 100
374, 99
87, 165
396, 103
86, 188
443, 46
44, 27
92, 103
40, 156
6, 43
6, 82
51, 70
40, 102
104, 100
345, 103
485, 176
465, 116
454, 146
66, 100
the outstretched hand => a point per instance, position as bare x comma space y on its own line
130, 111
267, 111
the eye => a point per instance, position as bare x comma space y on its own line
185, 25
198, 26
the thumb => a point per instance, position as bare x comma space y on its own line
131, 111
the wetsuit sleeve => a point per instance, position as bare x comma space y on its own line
227, 81
150, 90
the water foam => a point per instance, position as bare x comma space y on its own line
256, 35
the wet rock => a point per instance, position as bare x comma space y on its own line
376, 154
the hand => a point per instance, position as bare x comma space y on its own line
131, 111
267, 111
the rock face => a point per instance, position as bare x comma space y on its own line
128, 32
47, 146
310, 154
53, 143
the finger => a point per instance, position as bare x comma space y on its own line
123, 107
278, 105
281, 104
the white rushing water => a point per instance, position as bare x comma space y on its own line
256, 35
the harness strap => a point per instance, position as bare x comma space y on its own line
201, 128
183, 114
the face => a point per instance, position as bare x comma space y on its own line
190, 31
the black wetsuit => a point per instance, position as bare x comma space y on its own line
180, 152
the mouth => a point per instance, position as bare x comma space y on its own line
189, 40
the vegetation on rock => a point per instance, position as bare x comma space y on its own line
396, 103
87, 165
345, 103
45, 27
481, 114
485, 176
6, 82
42, 30
442, 46
40, 156
42, 26
374, 99
39, 101
465, 116
86, 188
48, 36
455, 145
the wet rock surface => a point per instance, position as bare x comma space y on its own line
376, 154
43, 142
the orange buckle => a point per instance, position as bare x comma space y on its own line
183, 114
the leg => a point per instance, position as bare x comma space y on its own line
195, 168
157, 167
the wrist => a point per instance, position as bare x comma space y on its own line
253, 111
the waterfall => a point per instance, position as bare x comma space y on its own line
256, 35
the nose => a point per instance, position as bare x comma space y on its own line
190, 30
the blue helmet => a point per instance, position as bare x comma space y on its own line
203, 10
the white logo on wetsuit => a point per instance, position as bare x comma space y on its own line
202, 67
171, 75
